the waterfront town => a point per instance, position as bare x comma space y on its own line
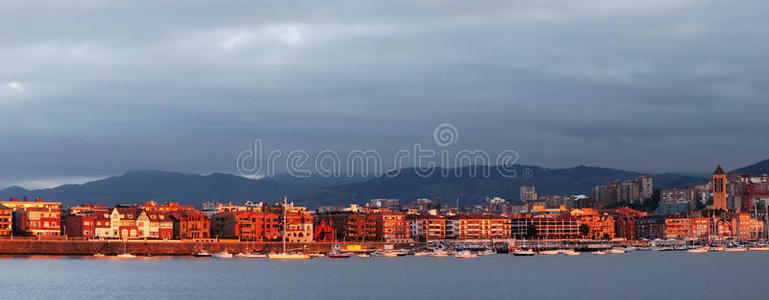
729, 211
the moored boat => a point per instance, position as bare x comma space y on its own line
251, 255
616, 251
698, 250
549, 252
288, 256
599, 252
439, 254
390, 254
523, 252
758, 249
465, 254
338, 255
99, 255
571, 253
487, 252
363, 255
422, 253
126, 255
202, 254
316, 254
223, 254
285, 255
717, 249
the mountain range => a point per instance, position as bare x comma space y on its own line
407, 185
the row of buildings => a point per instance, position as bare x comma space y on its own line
734, 192
262, 222
627, 191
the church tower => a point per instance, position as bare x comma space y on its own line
719, 189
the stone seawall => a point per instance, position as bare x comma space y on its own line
114, 247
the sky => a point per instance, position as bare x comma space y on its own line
96, 88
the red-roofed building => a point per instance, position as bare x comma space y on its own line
37, 221
191, 225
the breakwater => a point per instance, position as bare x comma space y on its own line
174, 247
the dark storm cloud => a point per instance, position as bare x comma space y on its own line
94, 88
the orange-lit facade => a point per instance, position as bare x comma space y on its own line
677, 228
392, 227
747, 227
191, 225
719, 189
299, 224
427, 227
602, 226
37, 217
37, 221
6, 221
701, 228
483, 227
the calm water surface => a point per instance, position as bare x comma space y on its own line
637, 275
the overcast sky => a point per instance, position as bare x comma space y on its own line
96, 88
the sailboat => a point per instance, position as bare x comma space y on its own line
285, 255
125, 253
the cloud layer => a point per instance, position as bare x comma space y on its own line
94, 88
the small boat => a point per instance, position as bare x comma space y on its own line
376, 253
202, 254
737, 249
571, 253
629, 248
125, 252
549, 252
251, 255
616, 251
465, 254
758, 249
223, 254
363, 255
316, 254
338, 255
288, 256
698, 250
401, 252
422, 253
662, 248
439, 253
599, 252
717, 249
99, 255
487, 252
390, 254
523, 252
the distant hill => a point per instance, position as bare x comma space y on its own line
761, 167
162, 186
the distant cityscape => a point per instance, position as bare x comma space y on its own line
728, 208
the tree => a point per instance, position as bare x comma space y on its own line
531, 231
584, 230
